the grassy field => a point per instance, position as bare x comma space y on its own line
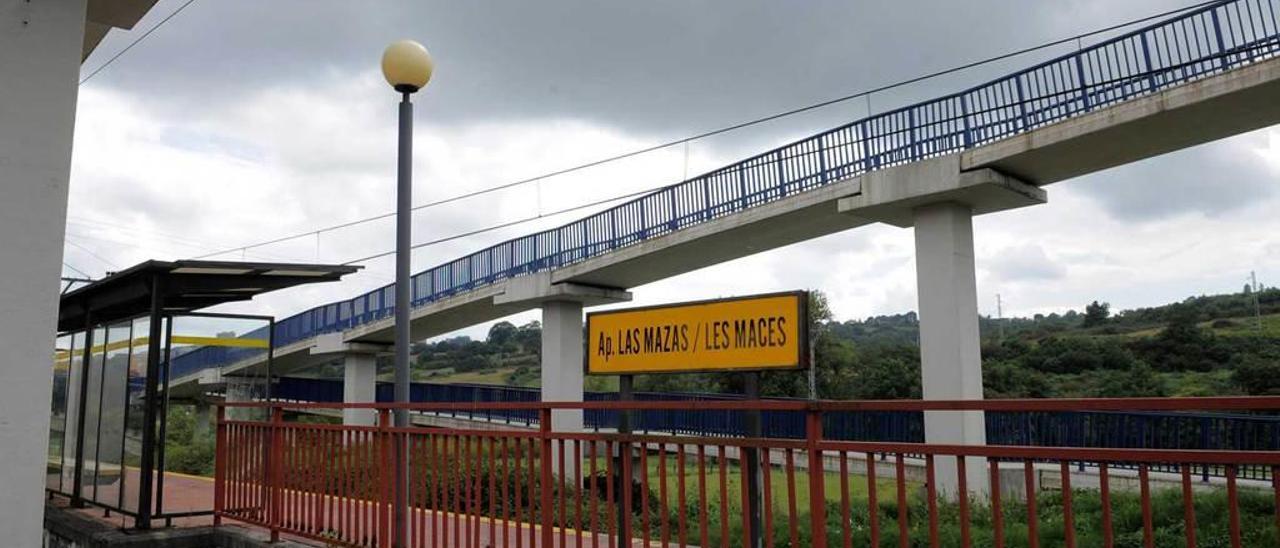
1256, 512
497, 376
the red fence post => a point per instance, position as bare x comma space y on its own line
275, 468
544, 490
385, 473
817, 494
219, 465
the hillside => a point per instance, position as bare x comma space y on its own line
1205, 345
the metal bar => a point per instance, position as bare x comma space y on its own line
792, 513
644, 493
997, 513
873, 506
900, 480
1233, 508
592, 449
545, 490
753, 501
533, 451
1033, 522
1068, 515
846, 516
1188, 507
577, 506
164, 417
931, 494
817, 497
767, 500
77, 484
664, 531
1104, 484
614, 523
274, 465
219, 466
625, 394
151, 387
724, 494
1144, 485
962, 488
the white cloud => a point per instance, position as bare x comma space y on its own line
151, 180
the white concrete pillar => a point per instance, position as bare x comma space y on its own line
562, 360
950, 353
359, 385
202, 416
238, 390
40, 47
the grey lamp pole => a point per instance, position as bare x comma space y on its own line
404, 200
407, 67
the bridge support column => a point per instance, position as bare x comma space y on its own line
950, 353
562, 347
202, 417
359, 385
359, 373
940, 199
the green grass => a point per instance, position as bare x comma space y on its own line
497, 376
1248, 327
1256, 510
781, 484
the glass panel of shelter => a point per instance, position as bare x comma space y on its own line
186, 424
63, 350
114, 406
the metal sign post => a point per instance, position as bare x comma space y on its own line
751, 469
745, 335
625, 460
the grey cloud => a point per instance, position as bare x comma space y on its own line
1025, 263
661, 68
1213, 179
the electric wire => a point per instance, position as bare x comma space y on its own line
721, 130
135, 42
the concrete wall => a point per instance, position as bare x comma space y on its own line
40, 48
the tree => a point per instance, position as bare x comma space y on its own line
1258, 375
1007, 379
1140, 380
502, 334
1096, 314
529, 337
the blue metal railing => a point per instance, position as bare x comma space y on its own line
1193, 45
1178, 430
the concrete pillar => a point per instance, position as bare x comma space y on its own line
359, 385
562, 360
237, 390
202, 415
40, 47
950, 353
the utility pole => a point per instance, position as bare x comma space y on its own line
1000, 317
1257, 303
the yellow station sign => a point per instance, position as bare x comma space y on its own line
739, 334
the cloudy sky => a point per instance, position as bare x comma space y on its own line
240, 121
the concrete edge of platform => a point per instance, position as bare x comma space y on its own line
75, 530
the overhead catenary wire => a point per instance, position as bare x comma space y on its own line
76, 270
718, 131
135, 42
91, 253
507, 224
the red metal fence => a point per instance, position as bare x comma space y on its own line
518, 487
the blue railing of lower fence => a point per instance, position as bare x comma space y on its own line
1056, 428
1193, 45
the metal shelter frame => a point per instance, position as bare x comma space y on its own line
159, 292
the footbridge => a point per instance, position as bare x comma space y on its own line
1200, 76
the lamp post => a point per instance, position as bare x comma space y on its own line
407, 67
